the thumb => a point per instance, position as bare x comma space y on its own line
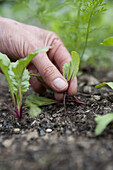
50, 74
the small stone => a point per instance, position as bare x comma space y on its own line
16, 130
54, 115
0, 125
33, 123
97, 97
68, 132
87, 89
3, 114
8, 142
92, 81
48, 130
89, 80
42, 133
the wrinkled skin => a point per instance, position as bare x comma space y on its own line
17, 40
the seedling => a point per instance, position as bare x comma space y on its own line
17, 77
104, 120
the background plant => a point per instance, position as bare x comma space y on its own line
104, 120
77, 22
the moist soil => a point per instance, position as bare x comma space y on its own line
57, 141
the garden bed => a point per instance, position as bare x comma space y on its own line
55, 140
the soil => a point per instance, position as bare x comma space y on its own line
57, 141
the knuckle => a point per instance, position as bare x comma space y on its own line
49, 71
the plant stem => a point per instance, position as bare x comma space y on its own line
14, 104
87, 35
64, 101
10, 109
78, 21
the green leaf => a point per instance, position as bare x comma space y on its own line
33, 102
39, 77
110, 84
108, 42
70, 69
4, 65
34, 110
102, 122
19, 66
75, 63
39, 101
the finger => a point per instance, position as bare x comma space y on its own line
36, 85
59, 96
61, 57
50, 74
71, 91
73, 87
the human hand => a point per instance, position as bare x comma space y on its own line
17, 40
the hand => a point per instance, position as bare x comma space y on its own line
17, 40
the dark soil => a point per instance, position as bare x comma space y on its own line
55, 140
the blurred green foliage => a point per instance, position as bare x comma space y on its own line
69, 19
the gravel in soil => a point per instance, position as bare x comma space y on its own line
57, 141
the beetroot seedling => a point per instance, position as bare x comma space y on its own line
17, 77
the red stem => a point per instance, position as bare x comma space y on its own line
10, 109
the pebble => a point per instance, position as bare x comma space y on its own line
0, 125
34, 123
8, 142
42, 133
16, 130
87, 89
3, 114
68, 132
90, 80
97, 97
48, 130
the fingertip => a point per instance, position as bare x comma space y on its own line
60, 84
59, 96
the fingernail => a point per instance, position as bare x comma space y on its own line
60, 84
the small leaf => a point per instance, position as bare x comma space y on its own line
108, 42
110, 84
34, 110
39, 101
75, 63
19, 66
102, 122
65, 70
70, 69
4, 65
